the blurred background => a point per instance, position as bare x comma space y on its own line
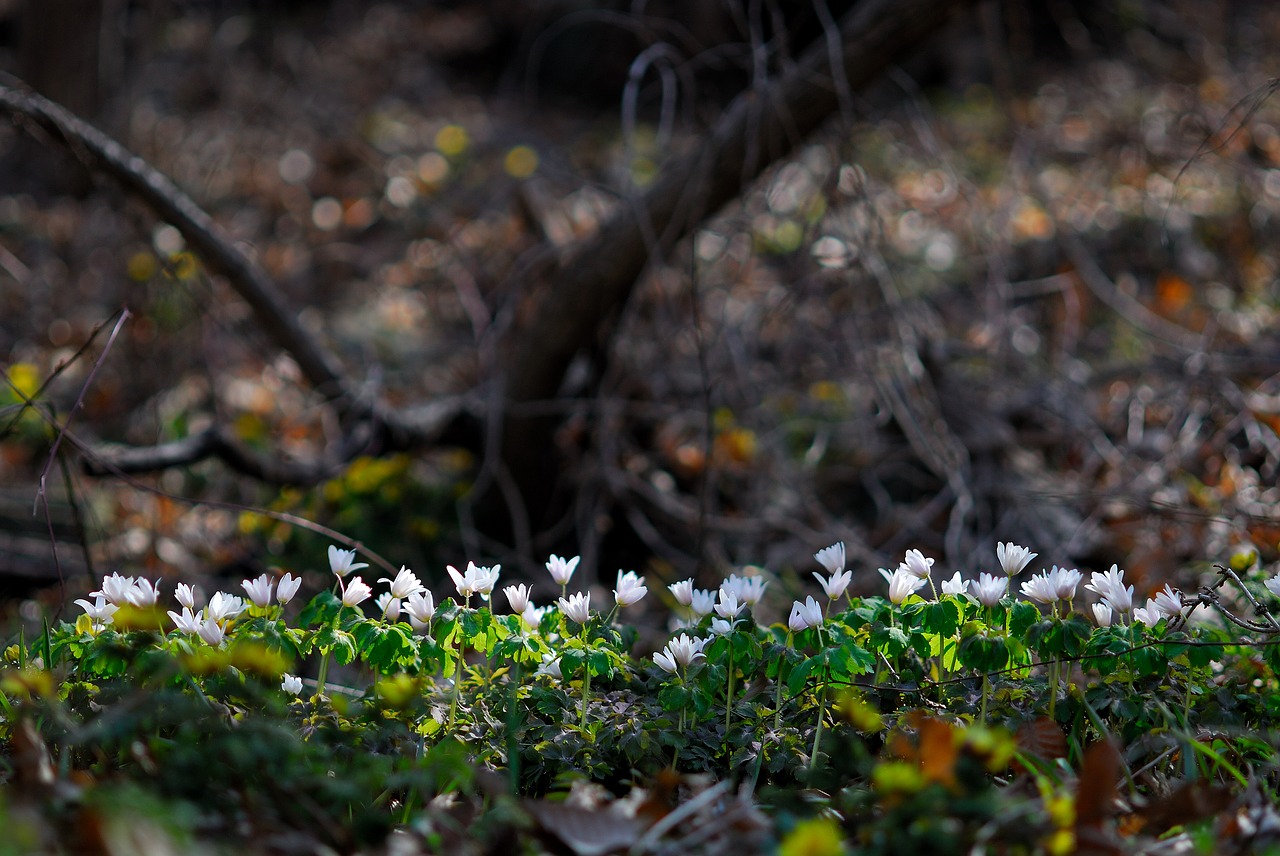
1022, 286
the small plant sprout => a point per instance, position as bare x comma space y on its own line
343, 562
421, 608
259, 591
286, 588
291, 684
955, 585
406, 582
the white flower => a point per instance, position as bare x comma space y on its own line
631, 589
804, 615
287, 588
680, 653
831, 558
99, 611
518, 597
720, 627
682, 592
223, 606
185, 595
1013, 558
1102, 613
917, 564
1042, 587
292, 684
421, 608
1111, 588
405, 583
989, 589
115, 589
835, 586
703, 602
188, 622
1273, 585
532, 615
1065, 582
550, 666
1168, 601
577, 607
477, 580
355, 592
562, 569
751, 589
955, 585
1149, 615
729, 605
343, 562
211, 632
259, 590
389, 605
902, 583
143, 592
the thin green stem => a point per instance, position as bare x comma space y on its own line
586, 690
728, 703
986, 694
817, 734
777, 696
457, 680
324, 673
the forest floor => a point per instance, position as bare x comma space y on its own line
1040, 309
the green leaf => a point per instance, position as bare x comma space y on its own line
1022, 615
941, 617
322, 609
983, 652
848, 661
800, 674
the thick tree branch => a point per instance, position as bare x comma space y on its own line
583, 300
371, 428
170, 204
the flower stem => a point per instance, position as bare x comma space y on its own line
457, 682
586, 689
777, 696
324, 672
817, 734
986, 694
728, 704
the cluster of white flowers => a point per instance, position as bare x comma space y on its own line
734, 595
